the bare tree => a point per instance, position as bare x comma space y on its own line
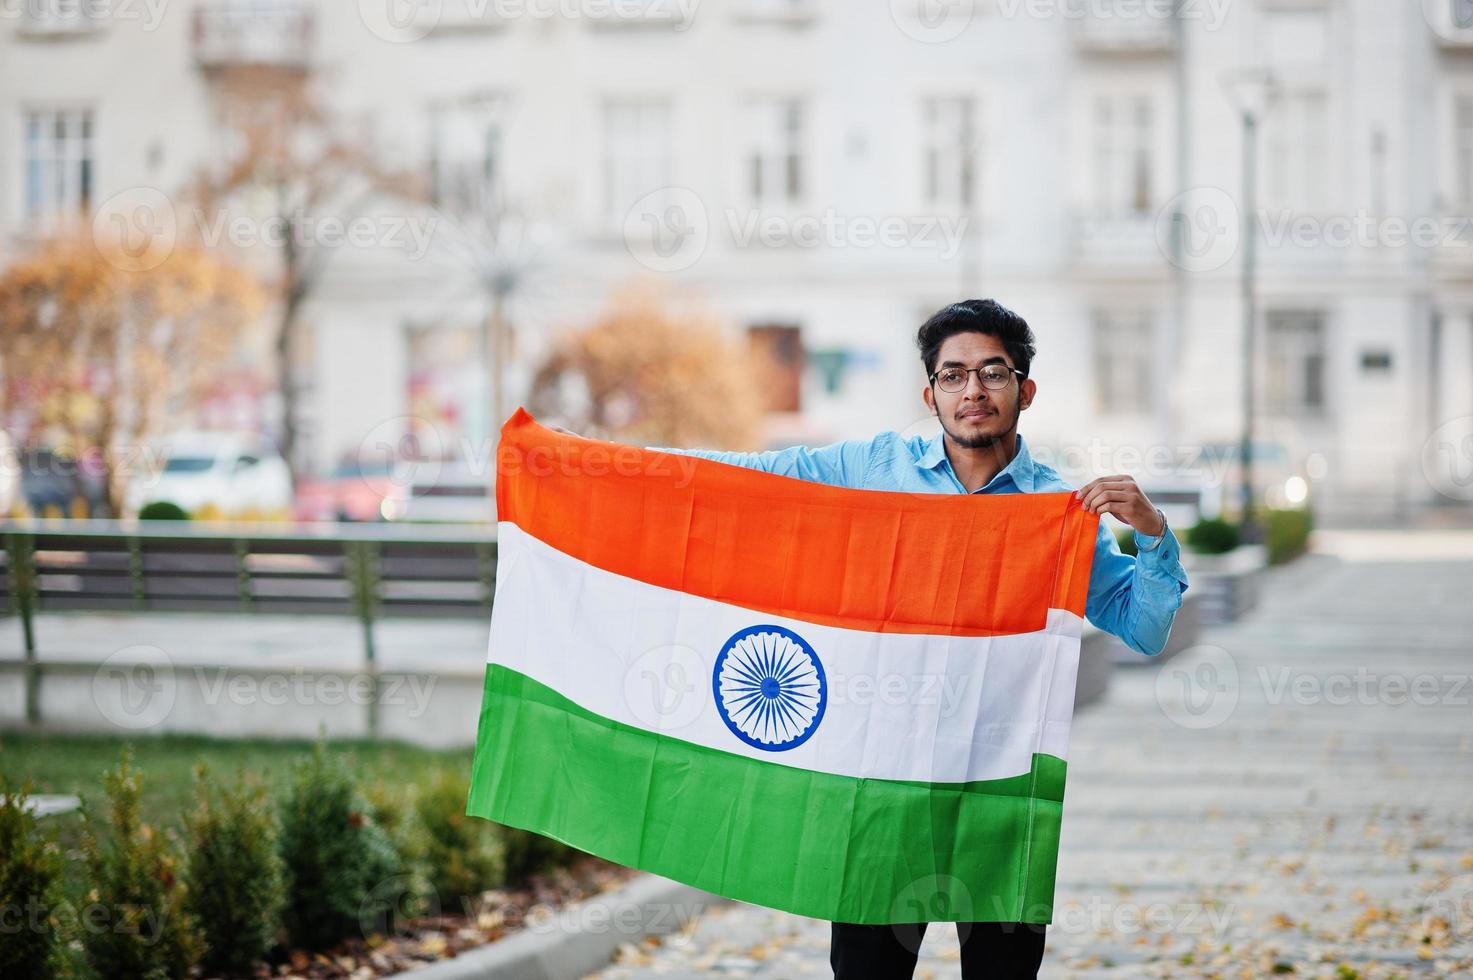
292, 164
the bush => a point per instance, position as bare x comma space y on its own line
465, 854
1125, 538
162, 510
1213, 536
134, 923
392, 808
1286, 534
234, 875
30, 867
527, 853
335, 859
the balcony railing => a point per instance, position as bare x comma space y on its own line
272, 33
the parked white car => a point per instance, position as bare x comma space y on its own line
227, 473
9, 475
451, 491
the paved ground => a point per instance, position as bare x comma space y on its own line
257, 641
1293, 797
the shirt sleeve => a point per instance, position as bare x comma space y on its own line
841, 464
1136, 598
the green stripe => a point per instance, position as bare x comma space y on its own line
832, 847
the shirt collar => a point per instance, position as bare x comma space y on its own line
1020, 468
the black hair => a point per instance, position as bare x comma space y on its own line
980, 316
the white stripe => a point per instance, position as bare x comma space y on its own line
899, 706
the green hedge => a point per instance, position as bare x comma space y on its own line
1286, 534
1213, 536
30, 871
255, 874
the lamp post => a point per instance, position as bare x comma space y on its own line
1253, 92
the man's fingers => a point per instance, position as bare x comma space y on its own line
1102, 487
1100, 499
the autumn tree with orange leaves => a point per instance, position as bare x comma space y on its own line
648, 372
97, 349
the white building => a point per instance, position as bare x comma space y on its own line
826, 174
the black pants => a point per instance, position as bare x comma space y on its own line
991, 950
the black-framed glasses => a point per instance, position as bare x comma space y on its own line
993, 376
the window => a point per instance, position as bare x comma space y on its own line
60, 167
1298, 137
465, 154
775, 155
1294, 379
949, 139
1124, 135
636, 152
1124, 376
778, 352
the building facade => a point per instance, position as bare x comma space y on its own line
825, 175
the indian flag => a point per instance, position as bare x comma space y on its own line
847, 704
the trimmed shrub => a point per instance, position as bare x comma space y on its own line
1213, 536
392, 807
234, 875
134, 922
1286, 534
162, 510
465, 854
336, 861
30, 867
527, 853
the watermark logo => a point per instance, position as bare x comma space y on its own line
135, 687
73, 16
400, 21
1450, 19
139, 228
136, 229
1447, 458
1198, 688
933, 21
667, 230
665, 687
932, 898
1199, 229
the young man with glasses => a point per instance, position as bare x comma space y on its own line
977, 356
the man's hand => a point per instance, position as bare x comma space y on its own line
1120, 496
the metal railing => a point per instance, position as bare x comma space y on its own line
167, 567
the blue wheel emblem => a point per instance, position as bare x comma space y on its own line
769, 687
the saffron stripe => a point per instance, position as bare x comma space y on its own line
879, 561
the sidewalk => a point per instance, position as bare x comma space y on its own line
1289, 796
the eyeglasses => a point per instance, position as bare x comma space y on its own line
992, 376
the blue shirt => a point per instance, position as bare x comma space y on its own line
1135, 599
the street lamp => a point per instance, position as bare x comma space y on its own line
1253, 92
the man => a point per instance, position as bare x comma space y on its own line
977, 356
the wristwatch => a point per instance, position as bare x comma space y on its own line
1162, 536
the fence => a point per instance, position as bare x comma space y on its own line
166, 567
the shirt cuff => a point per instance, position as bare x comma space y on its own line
1147, 542
1159, 558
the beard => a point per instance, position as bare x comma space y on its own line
984, 441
